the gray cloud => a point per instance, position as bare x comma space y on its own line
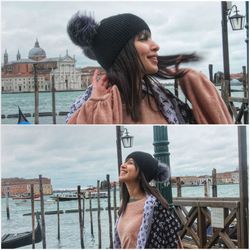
82, 154
176, 26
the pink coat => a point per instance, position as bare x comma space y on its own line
207, 105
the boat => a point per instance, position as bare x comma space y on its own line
74, 196
94, 195
16, 240
21, 117
25, 197
66, 197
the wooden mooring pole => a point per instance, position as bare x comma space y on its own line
206, 188
83, 209
178, 185
109, 214
32, 215
36, 89
99, 216
7, 205
210, 68
115, 207
42, 211
80, 215
214, 183
243, 180
91, 214
58, 218
53, 99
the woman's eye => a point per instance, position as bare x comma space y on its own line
143, 37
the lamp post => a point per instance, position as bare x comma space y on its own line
162, 153
127, 141
237, 22
243, 180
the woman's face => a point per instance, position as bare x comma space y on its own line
128, 171
147, 51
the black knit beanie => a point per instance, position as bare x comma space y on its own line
103, 42
151, 167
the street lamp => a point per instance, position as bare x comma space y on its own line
127, 142
237, 21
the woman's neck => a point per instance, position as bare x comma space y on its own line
135, 191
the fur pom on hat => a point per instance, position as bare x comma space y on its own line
82, 30
151, 167
104, 41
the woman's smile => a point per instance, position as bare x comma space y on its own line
147, 51
153, 59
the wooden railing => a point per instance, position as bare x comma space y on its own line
195, 216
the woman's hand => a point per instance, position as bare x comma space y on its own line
100, 85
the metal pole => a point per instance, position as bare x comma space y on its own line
162, 153
247, 41
118, 147
36, 89
53, 100
225, 51
243, 180
42, 211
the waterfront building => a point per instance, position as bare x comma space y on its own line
18, 186
229, 177
18, 75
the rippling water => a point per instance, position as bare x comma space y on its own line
69, 222
63, 102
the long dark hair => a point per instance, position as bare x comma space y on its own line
145, 187
126, 72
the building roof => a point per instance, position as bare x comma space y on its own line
37, 51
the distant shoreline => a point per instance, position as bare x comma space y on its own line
59, 91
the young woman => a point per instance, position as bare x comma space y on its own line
129, 91
145, 220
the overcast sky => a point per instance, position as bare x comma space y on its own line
80, 155
178, 27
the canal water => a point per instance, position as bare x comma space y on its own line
10, 103
69, 222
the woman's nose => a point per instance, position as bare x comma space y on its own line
154, 46
122, 166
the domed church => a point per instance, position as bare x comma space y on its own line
37, 53
18, 75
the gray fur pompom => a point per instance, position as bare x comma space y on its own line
82, 29
163, 172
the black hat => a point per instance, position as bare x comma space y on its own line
151, 167
103, 42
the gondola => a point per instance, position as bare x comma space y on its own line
21, 117
21, 239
